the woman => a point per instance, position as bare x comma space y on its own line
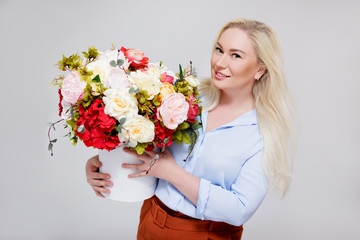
241, 151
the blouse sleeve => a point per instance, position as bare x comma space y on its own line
236, 205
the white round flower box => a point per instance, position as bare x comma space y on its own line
125, 189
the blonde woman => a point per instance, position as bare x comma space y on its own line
242, 150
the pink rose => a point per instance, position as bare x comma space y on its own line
166, 78
173, 110
72, 87
136, 58
193, 109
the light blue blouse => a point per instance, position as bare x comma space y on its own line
228, 162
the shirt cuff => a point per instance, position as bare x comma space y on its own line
203, 197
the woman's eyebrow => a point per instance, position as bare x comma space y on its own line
232, 49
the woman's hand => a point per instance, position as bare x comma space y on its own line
154, 164
96, 179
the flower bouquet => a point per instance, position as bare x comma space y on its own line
118, 98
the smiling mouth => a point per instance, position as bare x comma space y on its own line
219, 75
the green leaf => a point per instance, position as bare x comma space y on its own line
184, 125
186, 138
119, 128
195, 126
96, 79
53, 141
132, 90
166, 140
50, 146
177, 141
180, 72
81, 129
120, 62
177, 135
140, 149
122, 121
113, 63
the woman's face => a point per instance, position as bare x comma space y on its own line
234, 64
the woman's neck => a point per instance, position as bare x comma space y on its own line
237, 101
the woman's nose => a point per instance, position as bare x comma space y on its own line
221, 61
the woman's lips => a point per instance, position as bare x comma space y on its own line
220, 75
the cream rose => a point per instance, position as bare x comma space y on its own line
147, 80
173, 110
193, 82
166, 90
120, 103
137, 130
99, 68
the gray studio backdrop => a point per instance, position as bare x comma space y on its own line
45, 197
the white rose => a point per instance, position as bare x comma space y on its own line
137, 129
148, 80
120, 103
117, 79
110, 55
193, 82
99, 68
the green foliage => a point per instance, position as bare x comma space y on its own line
183, 87
140, 148
177, 135
71, 63
184, 125
196, 125
88, 97
120, 62
81, 129
91, 54
72, 124
181, 76
146, 107
96, 79
186, 138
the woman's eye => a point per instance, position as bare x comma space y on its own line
218, 50
236, 55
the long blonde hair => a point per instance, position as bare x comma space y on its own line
273, 101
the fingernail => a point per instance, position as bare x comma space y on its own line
108, 176
109, 184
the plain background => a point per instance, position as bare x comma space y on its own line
45, 197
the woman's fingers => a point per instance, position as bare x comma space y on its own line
101, 189
98, 175
99, 194
138, 174
99, 183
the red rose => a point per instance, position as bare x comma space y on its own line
60, 105
136, 58
193, 109
98, 127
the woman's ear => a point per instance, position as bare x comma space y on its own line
260, 72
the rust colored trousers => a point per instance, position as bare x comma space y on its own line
158, 222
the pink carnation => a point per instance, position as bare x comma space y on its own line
72, 87
174, 110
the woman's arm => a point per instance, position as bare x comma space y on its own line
213, 202
166, 168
